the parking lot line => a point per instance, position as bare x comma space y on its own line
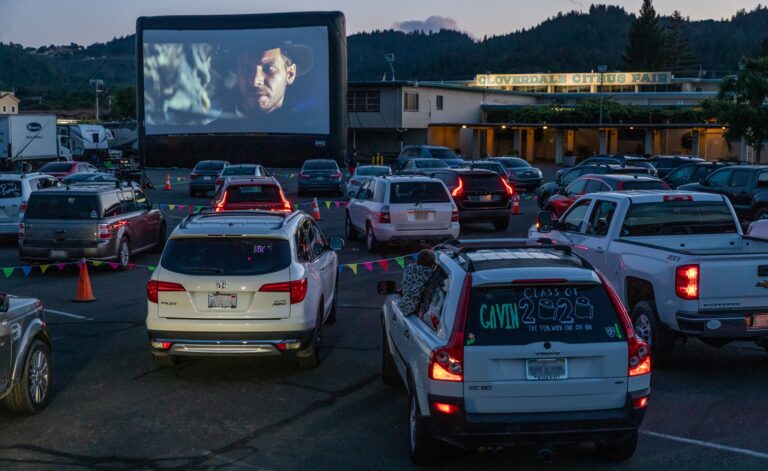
716, 446
68, 314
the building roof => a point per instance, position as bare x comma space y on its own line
9, 94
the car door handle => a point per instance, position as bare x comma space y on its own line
599, 250
407, 333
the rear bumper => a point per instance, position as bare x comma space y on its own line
473, 430
9, 228
230, 343
102, 251
389, 234
485, 215
730, 325
325, 185
199, 185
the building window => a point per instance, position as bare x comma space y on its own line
13, 109
364, 101
410, 101
439, 102
4, 108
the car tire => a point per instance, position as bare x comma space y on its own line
332, 315
31, 394
647, 326
501, 224
314, 357
370, 239
350, 229
164, 360
162, 237
389, 375
123, 254
620, 449
422, 446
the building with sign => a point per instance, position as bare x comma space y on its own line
542, 116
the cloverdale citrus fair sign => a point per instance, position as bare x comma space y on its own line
572, 79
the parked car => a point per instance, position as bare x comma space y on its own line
15, 189
243, 283
666, 163
746, 186
204, 175
98, 221
516, 342
618, 159
421, 165
480, 196
361, 173
566, 178
401, 208
692, 173
239, 194
758, 229
485, 164
521, 173
678, 260
77, 178
320, 175
240, 170
586, 184
25, 350
429, 152
60, 170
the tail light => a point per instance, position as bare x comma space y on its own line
193, 176
454, 215
638, 352
445, 408
640, 402
677, 198
23, 206
336, 175
286, 203
21, 231
510, 190
303, 175
154, 287
384, 217
687, 281
220, 205
447, 363
459, 189
354, 181
105, 231
296, 288
219, 181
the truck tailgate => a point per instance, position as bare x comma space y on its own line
733, 281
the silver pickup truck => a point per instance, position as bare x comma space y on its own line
25, 355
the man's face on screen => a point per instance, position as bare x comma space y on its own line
263, 79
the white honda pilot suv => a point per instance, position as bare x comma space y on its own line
239, 283
515, 341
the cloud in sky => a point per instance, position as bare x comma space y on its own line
433, 23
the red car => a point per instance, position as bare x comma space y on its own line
559, 203
62, 169
251, 193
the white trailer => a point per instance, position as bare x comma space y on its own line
29, 140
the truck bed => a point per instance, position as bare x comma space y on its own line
718, 244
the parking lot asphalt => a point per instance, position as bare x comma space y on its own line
111, 408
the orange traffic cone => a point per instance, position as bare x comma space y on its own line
515, 204
84, 292
167, 182
316, 210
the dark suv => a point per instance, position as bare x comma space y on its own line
480, 195
666, 163
98, 221
204, 175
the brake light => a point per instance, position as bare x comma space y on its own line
105, 232
336, 175
354, 181
220, 205
384, 217
303, 175
640, 402
687, 281
21, 231
447, 363
510, 190
445, 408
454, 215
23, 206
678, 198
193, 176
154, 287
296, 288
638, 352
459, 189
286, 203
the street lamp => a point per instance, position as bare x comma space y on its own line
97, 83
390, 58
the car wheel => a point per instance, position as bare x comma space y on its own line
161, 239
620, 449
422, 446
370, 239
501, 224
30, 395
164, 360
389, 373
761, 214
647, 326
123, 254
350, 229
332, 315
313, 357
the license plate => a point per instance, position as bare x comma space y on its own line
228, 301
421, 215
528, 174
543, 369
482, 198
759, 321
207, 179
59, 254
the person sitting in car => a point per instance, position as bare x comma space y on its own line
415, 279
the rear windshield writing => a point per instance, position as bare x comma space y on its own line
245, 194
418, 192
226, 256
10, 189
523, 315
46, 206
678, 218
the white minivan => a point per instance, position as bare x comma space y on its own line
15, 189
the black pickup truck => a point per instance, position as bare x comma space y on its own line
746, 186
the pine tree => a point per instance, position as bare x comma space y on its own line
681, 59
764, 48
646, 41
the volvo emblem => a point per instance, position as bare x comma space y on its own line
221, 285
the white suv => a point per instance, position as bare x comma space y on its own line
243, 283
15, 189
516, 341
402, 208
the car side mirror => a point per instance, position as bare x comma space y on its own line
336, 243
4, 303
386, 287
544, 222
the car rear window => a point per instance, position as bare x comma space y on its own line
415, 192
640, 185
482, 182
430, 164
320, 165
370, 171
574, 313
239, 171
515, 163
56, 167
10, 189
678, 218
52, 206
207, 166
443, 154
252, 193
226, 255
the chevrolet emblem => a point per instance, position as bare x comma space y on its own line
762, 284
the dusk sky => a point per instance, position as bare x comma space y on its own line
42, 22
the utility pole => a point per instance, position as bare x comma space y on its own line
97, 83
390, 58
601, 69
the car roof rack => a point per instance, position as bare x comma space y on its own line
460, 249
208, 214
